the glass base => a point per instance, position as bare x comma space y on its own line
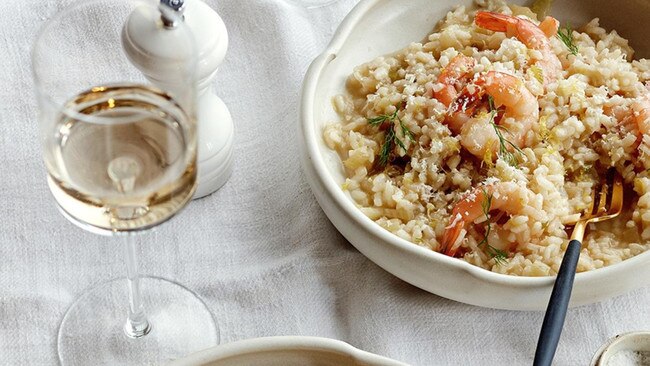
92, 331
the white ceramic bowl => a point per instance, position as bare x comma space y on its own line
285, 351
377, 27
626, 342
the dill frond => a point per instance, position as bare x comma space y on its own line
384, 153
566, 36
511, 157
499, 255
405, 130
379, 120
391, 138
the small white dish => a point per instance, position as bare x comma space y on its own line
627, 349
285, 351
377, 27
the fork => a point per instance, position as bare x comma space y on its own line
606, 203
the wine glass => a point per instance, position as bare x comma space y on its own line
120, 153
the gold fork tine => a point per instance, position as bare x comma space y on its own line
614, 201
617, 196
611, 175
604, 190
593, 207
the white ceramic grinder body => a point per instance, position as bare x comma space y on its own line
150, 44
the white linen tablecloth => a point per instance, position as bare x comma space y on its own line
260, 252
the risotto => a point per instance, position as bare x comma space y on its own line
484, 142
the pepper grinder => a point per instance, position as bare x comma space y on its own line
147, 38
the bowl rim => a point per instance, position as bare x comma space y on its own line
628, 337
310, 136
277, 343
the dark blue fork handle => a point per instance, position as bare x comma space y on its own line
557, 306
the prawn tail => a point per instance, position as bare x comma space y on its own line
549, 26
450, 242
494, 21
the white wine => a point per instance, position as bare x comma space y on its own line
122, 158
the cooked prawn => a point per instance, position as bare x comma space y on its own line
641, 113
478, 134
506, 196
634, 119
453, 76
533, 36
636, 116
456, 71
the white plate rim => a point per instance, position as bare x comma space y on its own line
269, 344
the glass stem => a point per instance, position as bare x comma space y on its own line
137, 324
